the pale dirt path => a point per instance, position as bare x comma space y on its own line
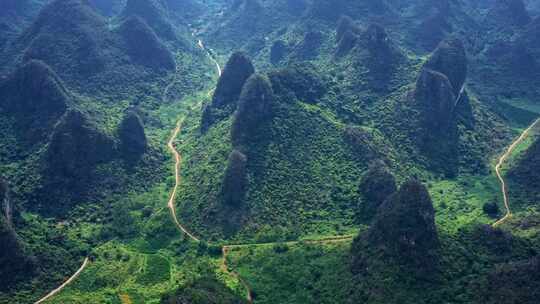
218, 67
67, 282
227, 248
177, 167
86, 260
498, 167
177, 157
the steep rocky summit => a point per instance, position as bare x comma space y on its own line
68, 35
434, 97
375, 187
235, 181
224, 102
76, 147
143, 46
437, 98
450, 60
132, 136
255, 110
34, 98
153, 13
404, 231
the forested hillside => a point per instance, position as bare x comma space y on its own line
269, 151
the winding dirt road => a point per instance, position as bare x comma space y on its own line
86, 260
227, 248
218, 67
177, 167
499, 165
67, 282
171, 203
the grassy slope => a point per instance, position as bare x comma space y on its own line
131, 267
296, 167
123, 211
308, 163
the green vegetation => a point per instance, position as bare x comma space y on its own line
317, 120
300, 273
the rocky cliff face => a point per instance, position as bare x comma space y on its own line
235, 181
375, 187
68, 35
153, 13
347, 35
450, 60
404, 231
144, 47
237, 70
437, 98
34, 98
224, 102
434, 97
75, 148
133, 142
255, 110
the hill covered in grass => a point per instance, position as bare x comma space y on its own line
344, 154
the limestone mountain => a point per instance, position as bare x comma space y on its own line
143, 46
347, 33
331, 119
450, 59
89, 52
132, 136
375, 187
154, 14
68, 35
255, 110
438, 96
33, 98
225, 99
435, 98
437, 134
76, 147
235, 180
404, 230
